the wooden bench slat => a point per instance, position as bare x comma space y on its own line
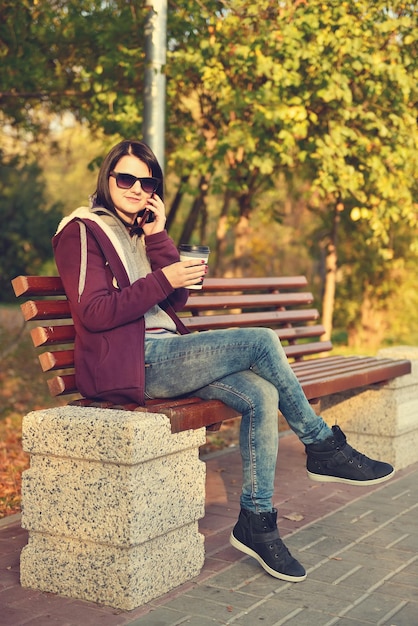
61, 359
245, 301
263, 318
333, 364
38, 286
373, 372
52, 285
62, 385
254, 283
60, 309
292, 333
380, 368
204, 413
46, 310
57, 360
155, 404
184, 414
151, 406
50, 335
53, 334
64, 359
307, 349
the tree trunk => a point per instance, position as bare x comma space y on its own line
242, 237
371, 330
328, 297
331, 266
197, 210
243, 233
217, 264
175, 205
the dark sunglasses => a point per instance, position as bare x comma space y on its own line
126, 181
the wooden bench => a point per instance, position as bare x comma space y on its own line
281, 303
109, 487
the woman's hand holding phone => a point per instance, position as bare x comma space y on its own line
155, 208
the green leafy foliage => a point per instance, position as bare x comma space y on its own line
324, 93
27, 223
327, 89
78, 55
260, 95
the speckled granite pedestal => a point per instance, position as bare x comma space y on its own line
111, 503
381, 421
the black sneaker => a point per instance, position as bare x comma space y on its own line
257, 535
335, 461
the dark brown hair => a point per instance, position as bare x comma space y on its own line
136, 148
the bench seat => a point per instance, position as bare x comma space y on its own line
281, 303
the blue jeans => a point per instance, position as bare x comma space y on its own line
248, 370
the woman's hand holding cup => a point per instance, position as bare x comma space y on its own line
186, 273
196, 255
191, 269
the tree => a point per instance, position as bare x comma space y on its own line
257, 92
27, 223
77, 55
326, 92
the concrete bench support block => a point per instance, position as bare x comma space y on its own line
111, 501
381, 421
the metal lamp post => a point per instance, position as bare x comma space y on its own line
155, 82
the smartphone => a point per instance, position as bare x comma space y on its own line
145, 217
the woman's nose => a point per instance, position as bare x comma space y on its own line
137, 187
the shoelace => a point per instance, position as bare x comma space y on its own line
354, 455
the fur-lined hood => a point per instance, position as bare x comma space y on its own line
86, 213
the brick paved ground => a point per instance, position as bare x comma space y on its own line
359, 545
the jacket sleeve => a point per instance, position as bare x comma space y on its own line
100, 302
161, 252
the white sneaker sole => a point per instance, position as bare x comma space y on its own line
243, 548
319, 478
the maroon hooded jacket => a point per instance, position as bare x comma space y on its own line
107, 310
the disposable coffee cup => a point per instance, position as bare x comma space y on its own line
197, 253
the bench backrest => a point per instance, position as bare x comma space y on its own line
281, 303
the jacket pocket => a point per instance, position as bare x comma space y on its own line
119, 366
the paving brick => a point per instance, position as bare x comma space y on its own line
359, 546
314, 594
15, 615
166, 617
375, 607
237, 575
406, 615
199, 607
228, 597
48, 620
269, 613
347, 573
408, 576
